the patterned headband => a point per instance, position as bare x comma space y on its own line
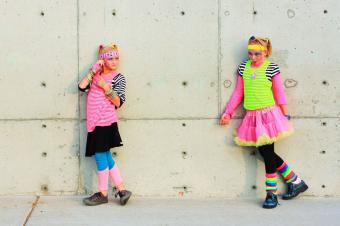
108, 55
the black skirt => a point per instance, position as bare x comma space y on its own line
102, 139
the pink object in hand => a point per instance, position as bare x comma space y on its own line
96, 68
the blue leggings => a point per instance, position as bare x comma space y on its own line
104, 160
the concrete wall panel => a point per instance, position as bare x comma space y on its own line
172, 64
303, 35
38, 59
199, 160
39, 157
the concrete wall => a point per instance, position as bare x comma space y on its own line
179, 58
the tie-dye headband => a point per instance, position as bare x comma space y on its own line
110, 54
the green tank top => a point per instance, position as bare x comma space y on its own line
258, 92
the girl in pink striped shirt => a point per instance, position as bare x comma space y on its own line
106, 94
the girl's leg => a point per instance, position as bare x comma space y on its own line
103, 172
281, 166
267, 152
288, 174
270, 161
114, 172
103, 176
295, 184
117, 180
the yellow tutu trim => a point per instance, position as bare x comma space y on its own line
264, 139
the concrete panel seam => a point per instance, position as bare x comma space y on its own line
79, 115
154, 119
37, 119
219, 49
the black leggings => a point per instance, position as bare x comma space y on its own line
271, 160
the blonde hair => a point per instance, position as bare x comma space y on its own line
265, 42
104, 49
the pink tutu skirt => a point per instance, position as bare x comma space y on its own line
264, 126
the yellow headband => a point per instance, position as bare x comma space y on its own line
256, 47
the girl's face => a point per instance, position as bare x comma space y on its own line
257, 56
111, 63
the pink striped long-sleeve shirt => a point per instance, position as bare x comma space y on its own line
100, 111
237, 96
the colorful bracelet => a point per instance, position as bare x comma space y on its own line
90, 75
111, 93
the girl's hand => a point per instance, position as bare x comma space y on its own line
225, 119
103, 84
98, 66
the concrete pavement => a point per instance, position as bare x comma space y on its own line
68, 210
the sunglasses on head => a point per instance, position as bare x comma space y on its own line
253, 38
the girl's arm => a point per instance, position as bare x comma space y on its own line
279, 95
85, 82
114, 98
236, 98
109, 92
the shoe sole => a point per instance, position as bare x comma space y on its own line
93, 203
303, 190
269, 207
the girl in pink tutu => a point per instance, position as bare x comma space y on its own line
266, 120
106, 93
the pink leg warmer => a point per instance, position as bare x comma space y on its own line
103, 177
115, 175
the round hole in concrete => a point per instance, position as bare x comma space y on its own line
44, 187
43, 84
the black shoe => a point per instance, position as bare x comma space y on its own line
95, 199
124, 196
271, 201
294, 190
